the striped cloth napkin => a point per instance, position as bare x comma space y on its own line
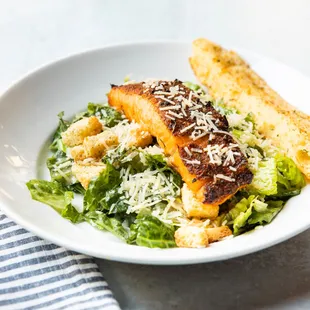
36, 274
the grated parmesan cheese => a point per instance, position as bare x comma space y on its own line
223, 177
186, 149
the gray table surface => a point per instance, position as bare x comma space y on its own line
276, 278
34, 32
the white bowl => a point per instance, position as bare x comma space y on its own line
28, 118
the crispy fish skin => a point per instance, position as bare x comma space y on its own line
230, 78
142, 105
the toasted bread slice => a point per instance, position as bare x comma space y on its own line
227, 76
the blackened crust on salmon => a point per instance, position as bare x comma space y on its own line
206, 168
200, 164
219, 191
176, 125
135, 88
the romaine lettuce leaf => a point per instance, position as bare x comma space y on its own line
245, 137
70, 213
124, 158
266, 216
95, 195
57, 144
60, 166
265, 178
238, 215
241, 220
192, 86
114, 202
150, 232
222, 108
240, 207
112, 224
277, 177
51, 193
250, 212
77, 188
158, 162
290, 179
259, 205
109, 116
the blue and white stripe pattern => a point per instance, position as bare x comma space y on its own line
36, 274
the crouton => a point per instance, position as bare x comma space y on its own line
96, 146
218, 233
139, 137
78, 153
191, 236
133, 134
85, 173
81, 129
194, 208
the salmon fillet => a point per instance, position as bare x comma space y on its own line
192, 134
230, 78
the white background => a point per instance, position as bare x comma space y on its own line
34, 32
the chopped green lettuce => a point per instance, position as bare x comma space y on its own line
127, 78
250, 212
57, 144
222, 108
151, 232
51, 193
265, 178
241, 220
159, 163
60, 166
114, 201
247, 138
290, 179
267, 215
95, 195
70, 213
109, 116
102, 221
77, 188
124, 158
277, 177
288, 169
192, 86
